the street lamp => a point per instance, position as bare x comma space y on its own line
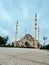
44, 38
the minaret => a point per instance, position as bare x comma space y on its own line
17, 28
38, 34
25, 32
35, 27
16, 33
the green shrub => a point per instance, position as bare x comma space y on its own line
47, 46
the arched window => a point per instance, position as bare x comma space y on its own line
26, 44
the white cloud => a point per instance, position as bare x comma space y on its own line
25, 11
4, 14
3, 31
22, 12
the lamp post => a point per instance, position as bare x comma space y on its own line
44, 38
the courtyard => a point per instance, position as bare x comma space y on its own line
23, 56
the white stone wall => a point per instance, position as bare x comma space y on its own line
22, 42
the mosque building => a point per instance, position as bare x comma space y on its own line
28, 40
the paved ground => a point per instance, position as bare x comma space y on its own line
21, 56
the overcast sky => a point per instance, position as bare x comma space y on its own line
24, 11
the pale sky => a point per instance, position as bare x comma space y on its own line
24, 11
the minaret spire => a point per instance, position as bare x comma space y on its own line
17, 27
25, 32
38, 34
35, 27
16, 33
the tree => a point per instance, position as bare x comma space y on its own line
12, 45
3, 40
47, 46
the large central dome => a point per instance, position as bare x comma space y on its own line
28, 36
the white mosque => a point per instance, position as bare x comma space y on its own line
28, 40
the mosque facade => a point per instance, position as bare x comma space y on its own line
28, 41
